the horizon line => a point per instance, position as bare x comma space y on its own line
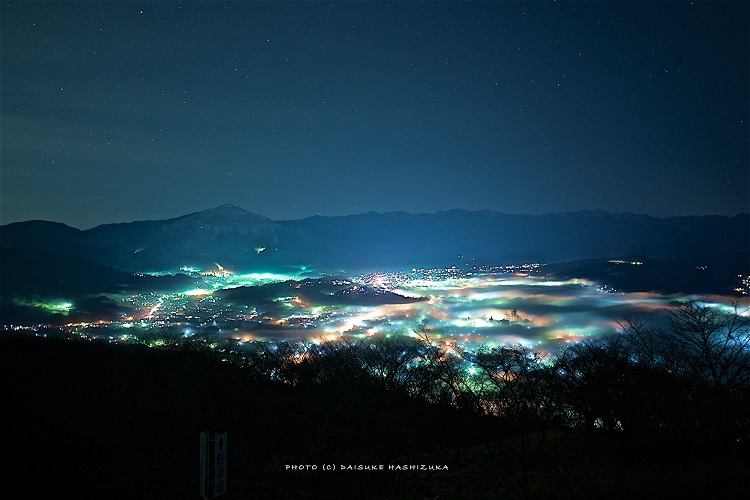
370, 212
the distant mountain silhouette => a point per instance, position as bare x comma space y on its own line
396, 239
242, 240
225, 234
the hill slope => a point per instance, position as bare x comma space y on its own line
244, 241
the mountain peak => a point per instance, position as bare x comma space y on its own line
227, 208
223, 215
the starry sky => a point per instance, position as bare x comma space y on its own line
121, 111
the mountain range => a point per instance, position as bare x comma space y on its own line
46, 263
241, 240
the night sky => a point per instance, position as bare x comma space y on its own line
116, 112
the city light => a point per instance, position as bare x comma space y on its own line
494, 306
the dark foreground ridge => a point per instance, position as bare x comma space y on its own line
630, 416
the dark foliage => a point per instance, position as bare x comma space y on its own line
646, 413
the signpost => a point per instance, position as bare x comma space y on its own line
213, 464
220, 464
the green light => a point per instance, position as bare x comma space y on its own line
254, 279
56, 307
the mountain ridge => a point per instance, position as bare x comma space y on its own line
245, 240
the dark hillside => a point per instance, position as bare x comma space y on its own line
102, 421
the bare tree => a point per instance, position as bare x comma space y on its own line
514, 384
713, 344
701, 361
